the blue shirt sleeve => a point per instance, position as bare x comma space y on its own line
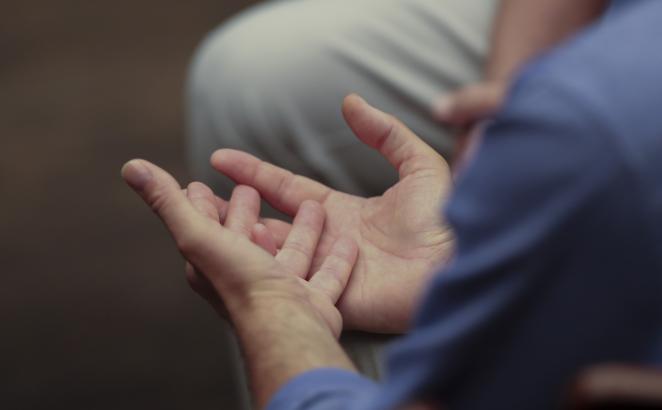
324, 389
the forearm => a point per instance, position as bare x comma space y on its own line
524, 28
281, 340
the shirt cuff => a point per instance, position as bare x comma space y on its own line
322, 389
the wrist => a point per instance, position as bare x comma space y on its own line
264, 299
283, 302
281, 336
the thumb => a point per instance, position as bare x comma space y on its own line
228, 260
189, 228
397, 143
205, 202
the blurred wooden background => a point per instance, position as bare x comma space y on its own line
94, 310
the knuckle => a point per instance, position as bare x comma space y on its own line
312, 208
335, 263
333, 284
158, 199
284, 184
188, 243
298, 249
334, 271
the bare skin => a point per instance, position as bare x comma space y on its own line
522, 30
261, 269
277, 313
400, 234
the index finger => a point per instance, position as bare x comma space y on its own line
284, 190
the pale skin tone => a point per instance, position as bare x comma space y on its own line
522, 30
278, 308
401, 241
345, 261
400, 233
265, 296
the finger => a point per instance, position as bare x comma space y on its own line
221, 208
206, 245
279, 230
261, 236
469, 104
336, 269
226, 258
399, 145
282, 189
299, 247
203, 199
164, 195
243, 210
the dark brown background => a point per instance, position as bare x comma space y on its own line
94, 310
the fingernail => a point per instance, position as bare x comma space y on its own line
136, 174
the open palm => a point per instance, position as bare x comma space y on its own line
400, 234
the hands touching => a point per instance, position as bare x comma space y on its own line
243, 274
400, 235
286, 324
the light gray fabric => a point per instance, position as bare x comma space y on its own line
271, 82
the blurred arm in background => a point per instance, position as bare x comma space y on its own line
522, 30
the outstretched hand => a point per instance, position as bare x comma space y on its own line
231, 265
400, 234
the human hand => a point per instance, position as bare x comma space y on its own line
471, 104
400, 234
465, 109
243, 274
241, 215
